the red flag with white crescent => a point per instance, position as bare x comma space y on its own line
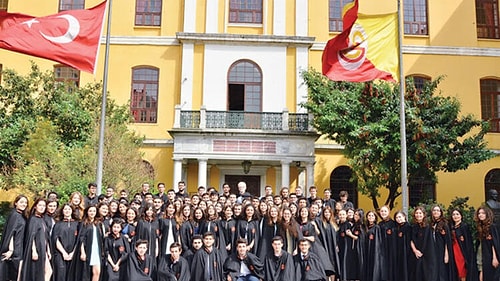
70, 37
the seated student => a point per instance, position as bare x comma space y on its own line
141, 266
278, 265
308, 265
173, 267
208, 261
243, 265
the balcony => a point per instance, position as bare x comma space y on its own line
241, 120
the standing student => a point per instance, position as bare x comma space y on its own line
36, 258
168, 229
116, 249
372, 265
148, 228
422, 245
140, 265
228, 227
248, 228
489, 244
270, 228
208, 262
12, 243
289, 231
463, 249
388, 253
278, 265
442, 243
403, 247
64, 241
328, 236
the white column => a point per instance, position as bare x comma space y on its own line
177, 172
279, 17
302, 55
202, 172
301, 20
301, 181
310, 174
212, 23
285, 173
189, 18
187, 76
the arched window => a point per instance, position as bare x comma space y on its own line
335, 8
340, 179
150, 170
148, 12
419, 81
490, 103
491, 181
244, 87
65, 5
421, 189
245, 11
144, 94
415, 17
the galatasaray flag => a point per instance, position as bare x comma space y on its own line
70, 37
366, 50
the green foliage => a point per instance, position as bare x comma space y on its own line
49, 136
364, 117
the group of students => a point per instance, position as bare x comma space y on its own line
240, 237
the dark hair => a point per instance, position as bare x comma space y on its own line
60, 215
208, 233
277, 238
141, 241
196, 236
241, 241
92, 184
33, 208
176, 245
19, 197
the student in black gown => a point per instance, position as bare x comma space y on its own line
247, 227
228, 227
174, 267
422, 245
36, 258
64, 241
289, 231
197, 243
243, 265
403, 248
148, 228
168, 229
463, 249
328, 236
270, 228
308, 265
116, 250
129, 229
185, 226
372, 270
489, 244
208, 261
12, 243
50, 214
442, 243
388, 253
212, 224
278, 265
140, 265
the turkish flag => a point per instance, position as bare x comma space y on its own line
70, 37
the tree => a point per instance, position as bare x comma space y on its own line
49, 136
364, 118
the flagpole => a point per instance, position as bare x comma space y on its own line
100, 154
402, 118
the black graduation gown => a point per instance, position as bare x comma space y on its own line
216, 259
328, 237
81, 270
188, 255
268, 232
170, 271
140, 270
166, 225
248, 230
442, 241
490, 241
372, 270
464, 239
388, 253
37, 233
424, 268
214, 227
307, 229
129, 231
310, 268
186, 232
66, 232
149, 231
289, 241
232, 266
14, 229
118, 248
403, 252
279, 268
228, 227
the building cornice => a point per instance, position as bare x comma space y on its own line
224, 38
142, 40
437, 50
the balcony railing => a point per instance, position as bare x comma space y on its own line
268, 121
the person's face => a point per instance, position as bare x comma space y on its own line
342, 215
197, 243
141, 249
292, 198
148, 198
314, 209
131, 215
67, 211
269, 190
241, 249
198, 214
263, 207
202, 205
249, 212
400, 218
171, 195
92, 212
343, 198
186, 211
370, 217
327, 194
302, 203
436, 212
103, 211
293, 208
419, 215
287, 215
161, 188
123, 194
226, 188
237, 210
122, 208
356, 216
304, 247
157, 203
298, 191
40, 207
92, 190
285, 192
242, 188
304, 213
181, 186
228, 212
384, 213
232, 198
113, 207
206, 197
327, 214
201, 191
208, 241
313, 192
145, 187
149, 212
51, 207
456, 216
481, 215
277, 246
170, 209
135, 205
273, 213
350, 214
116, 229
76, 200
195, 200
21, 204
277, 201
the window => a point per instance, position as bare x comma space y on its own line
421, 189
487, 19
148, 12
335, 8
144, 96
419, 81
415, 17
490, 102
4, 4
491, 181
65, 5
340, 179
66, 74
245, 87
245, 11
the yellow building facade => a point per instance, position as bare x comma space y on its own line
215, 85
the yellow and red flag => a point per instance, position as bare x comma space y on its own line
366, 50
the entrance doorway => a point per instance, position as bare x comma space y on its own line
253, 183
